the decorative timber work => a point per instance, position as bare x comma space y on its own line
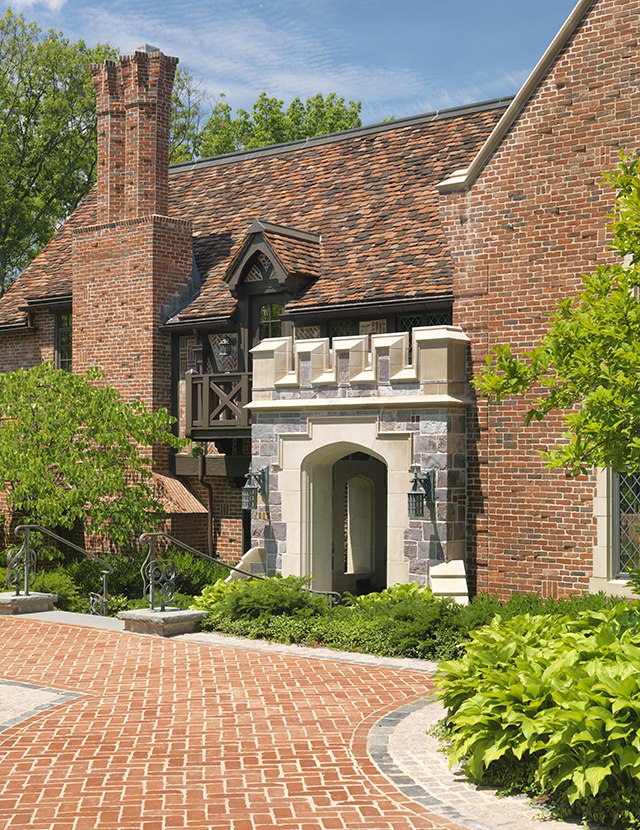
215, 405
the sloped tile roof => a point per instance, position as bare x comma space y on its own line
49, 275
368, 193
299, 256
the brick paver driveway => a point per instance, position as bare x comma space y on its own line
171, 734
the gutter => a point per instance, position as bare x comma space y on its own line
465, 178
10, 328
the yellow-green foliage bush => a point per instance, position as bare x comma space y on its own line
551, 705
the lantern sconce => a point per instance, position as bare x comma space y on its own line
422, 489
256, 483
225, 345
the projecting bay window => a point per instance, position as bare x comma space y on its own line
64, 343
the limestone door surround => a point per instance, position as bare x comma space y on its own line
315, 403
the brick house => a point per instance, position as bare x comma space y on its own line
312, 313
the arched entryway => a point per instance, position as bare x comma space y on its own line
359, 524
305, 482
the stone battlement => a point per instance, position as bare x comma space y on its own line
368, 362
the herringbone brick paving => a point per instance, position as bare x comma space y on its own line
180, 735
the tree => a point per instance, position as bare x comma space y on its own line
588, 364
72, 450
189, 107
269, 123
47, 136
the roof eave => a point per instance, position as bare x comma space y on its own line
464, 179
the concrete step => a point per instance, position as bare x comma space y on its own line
71, 618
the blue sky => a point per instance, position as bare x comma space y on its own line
399, 57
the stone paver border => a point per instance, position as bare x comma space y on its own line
20, 701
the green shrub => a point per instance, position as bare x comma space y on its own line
125, 578
550, 704
261, 598
59, 582
193, 574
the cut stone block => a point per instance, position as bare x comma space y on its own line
26, 603
167, 623
448, 579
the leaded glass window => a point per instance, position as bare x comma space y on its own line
269, 323
628, 522
63, 341
343, 328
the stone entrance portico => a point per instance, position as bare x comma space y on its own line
339, 426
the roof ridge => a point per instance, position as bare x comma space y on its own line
465, 178
343, 135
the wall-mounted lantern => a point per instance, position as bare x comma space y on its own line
224, 346
422, 490
256, 483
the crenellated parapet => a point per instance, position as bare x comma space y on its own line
366, 366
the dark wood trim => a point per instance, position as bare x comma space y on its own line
231, 466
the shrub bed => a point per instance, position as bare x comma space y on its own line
401, 621
550, 705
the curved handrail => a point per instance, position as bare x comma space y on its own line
28, 563
334, 596
22, 529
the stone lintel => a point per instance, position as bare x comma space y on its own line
368, 402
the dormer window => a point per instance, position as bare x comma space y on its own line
269, 322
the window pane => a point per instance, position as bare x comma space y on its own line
629, 539
343, 328
63, 341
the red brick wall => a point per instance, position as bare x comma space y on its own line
22, 350
227, 533
124, 272
531, 224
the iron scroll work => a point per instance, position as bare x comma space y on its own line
158, 573
22, 562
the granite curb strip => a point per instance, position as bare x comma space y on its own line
404, 749
378, 746
20, 701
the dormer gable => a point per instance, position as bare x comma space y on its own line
274, 258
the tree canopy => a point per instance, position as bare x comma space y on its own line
48, 131
47, 136
270, 123
73, 450
588, 364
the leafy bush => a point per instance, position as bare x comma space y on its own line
260, 599
125, 578
59, 582
193, 574
550, 705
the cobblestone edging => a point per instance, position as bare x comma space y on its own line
410, 758
19, 701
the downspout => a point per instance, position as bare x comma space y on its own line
202, 460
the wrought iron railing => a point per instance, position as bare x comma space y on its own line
22, 562
159, 573
216, 403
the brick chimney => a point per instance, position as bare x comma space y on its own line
133, 102
132, 263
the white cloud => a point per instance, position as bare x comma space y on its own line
51, 5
